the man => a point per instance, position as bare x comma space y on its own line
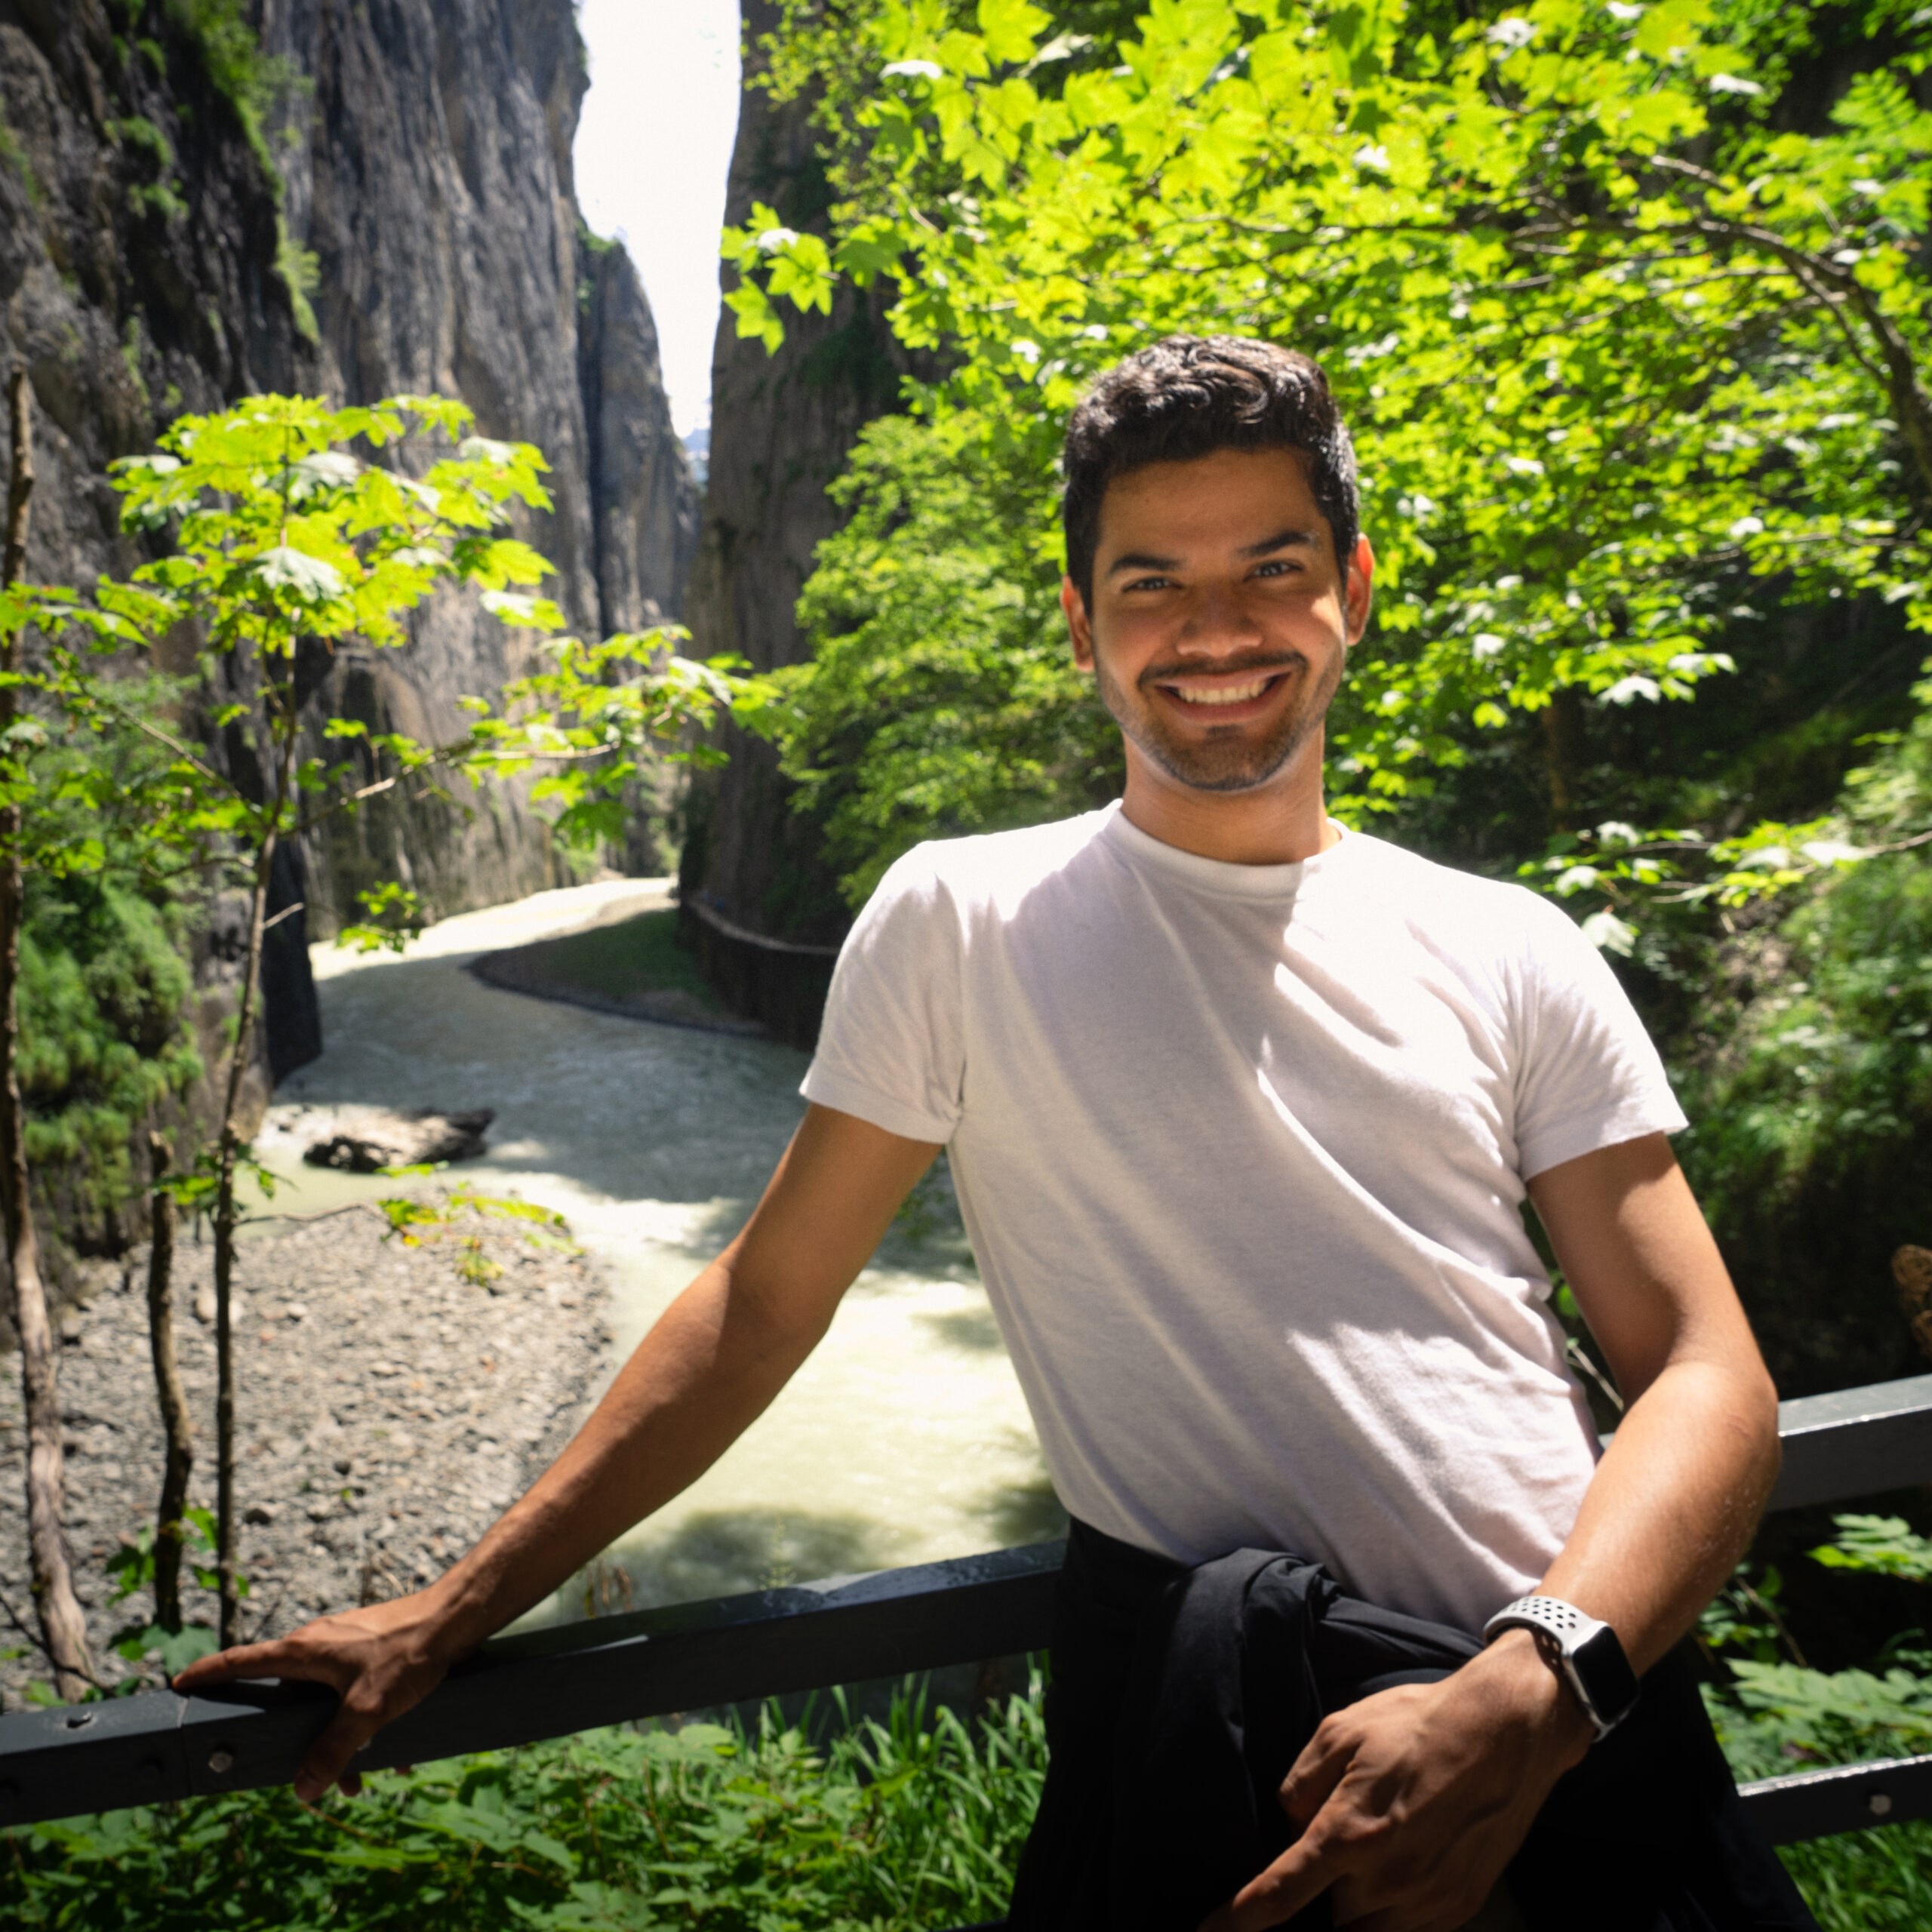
1241, 1110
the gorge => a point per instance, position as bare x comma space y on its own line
355, 200
199, 201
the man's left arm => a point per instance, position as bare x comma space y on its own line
1414, 1800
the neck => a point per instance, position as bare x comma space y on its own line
1277, 823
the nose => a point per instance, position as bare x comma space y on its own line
1217, 624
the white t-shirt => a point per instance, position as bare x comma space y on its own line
1241, 1150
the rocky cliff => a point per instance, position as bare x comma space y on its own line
353, 197
422, 235
781, 427
428, 168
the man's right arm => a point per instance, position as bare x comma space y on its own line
707, 1369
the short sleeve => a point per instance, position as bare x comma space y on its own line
1587, 1075
891, 1045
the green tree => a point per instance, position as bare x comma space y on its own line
940, 698
1808, 1072
1625, 354
284, 537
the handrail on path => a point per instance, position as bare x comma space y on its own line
517, 1689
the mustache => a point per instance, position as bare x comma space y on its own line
1259, 665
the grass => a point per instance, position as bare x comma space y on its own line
1866, 1880
913, 1825
627, 957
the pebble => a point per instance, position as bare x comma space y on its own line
388, 1411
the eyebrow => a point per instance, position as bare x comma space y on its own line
1282, 539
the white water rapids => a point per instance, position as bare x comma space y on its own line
903, 1439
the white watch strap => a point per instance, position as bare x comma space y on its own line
1562, 1621
1569, 1630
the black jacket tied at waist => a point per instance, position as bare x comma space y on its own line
1180, 1698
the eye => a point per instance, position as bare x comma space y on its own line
1148, 583
1277, 566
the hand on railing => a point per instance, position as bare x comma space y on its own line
380, 1660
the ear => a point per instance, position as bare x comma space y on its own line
1079, 626
1358, 593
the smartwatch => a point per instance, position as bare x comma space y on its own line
1585, 1653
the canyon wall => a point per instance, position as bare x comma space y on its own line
425, 214
353, 198
782, 425
427, 169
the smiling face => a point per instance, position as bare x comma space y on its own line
1220, 622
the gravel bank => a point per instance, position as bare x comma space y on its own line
388, 1411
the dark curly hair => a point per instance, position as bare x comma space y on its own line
1187, 396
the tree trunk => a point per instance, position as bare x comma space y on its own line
1564, 753
226, 1217
63, 1629
168, 1533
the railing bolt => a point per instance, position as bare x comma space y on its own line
221, 1761
1878, 1803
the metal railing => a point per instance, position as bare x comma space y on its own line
140, 1750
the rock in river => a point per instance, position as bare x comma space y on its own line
367, 1139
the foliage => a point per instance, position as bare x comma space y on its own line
1866, 1880
253, 84
589, 715
132, 1565
1625, 354
285, 543
104, 996
103, 992
414, 1221
1747, 1615
1796, 1716
1809, 1078
1776, 1717
1878, 1546
939, 699
894, 1828
284, 537
903, 1827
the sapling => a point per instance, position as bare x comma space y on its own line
283, 536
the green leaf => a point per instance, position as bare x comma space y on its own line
1879, 1545
310, 578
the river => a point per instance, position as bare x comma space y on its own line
903, 1439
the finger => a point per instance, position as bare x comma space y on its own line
281, 1658
328, 1757
1313, 1776
1300, 1875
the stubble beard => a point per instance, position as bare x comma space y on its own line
1229, 762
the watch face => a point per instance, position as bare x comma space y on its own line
1605, 1674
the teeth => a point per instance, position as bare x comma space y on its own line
1222, 694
